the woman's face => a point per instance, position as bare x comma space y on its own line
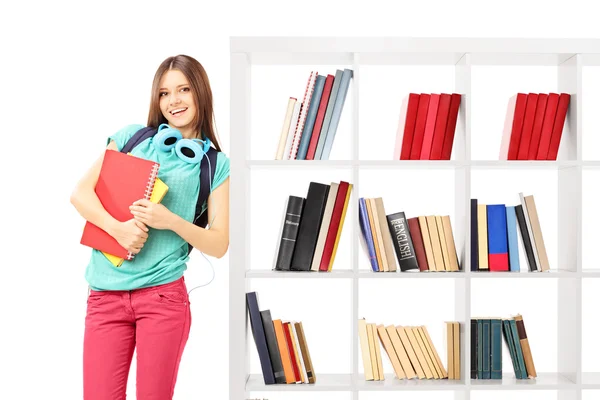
176, 100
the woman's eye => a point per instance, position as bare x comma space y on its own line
162, 93
186, 89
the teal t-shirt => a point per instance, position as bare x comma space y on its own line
164, 255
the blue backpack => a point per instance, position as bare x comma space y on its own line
200, 218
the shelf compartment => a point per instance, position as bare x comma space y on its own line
324, 383
544, 381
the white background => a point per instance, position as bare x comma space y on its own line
75, 72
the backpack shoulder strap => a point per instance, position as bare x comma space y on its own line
138, 138
201, 219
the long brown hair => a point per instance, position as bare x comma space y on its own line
196, 75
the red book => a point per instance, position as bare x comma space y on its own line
440, 127
547, 126
406, 125
559, 123
536, 133
123, 179
451, 126
415, 150
316, 132
334, 225
513, 125
528, 120
417, 239
432, 112
290, 345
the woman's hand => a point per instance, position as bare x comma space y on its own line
153, 215
130, 234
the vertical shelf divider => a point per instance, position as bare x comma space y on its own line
355, 222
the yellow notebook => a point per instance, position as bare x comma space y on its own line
158, 193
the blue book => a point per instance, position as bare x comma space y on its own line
260, 338
513, 245
508, 338
496, 348
337, 113
307, 131
365, 228
486, 350
497, 237
518, 349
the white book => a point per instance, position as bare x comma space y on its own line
325, 222
292, 130
285, 128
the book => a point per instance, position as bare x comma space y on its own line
495, 348
337, 80
432, 114
418, 244
419, 134
497, 237
272, 346
336, 226
337, 113
308, 230
324, 228
316, 132
367, 234
406, 127
401, 238
536, 132
260, 338
287, 120
310, 372
559, 123
123, 179
311, 117
513, 247
529, 365
158, 193
289, 232
528, 121
513, 125
451, 126
440, 127
310, 85
547, 126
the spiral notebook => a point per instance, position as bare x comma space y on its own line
123, 179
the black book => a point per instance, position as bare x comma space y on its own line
258, 332
310, 224
272, 345
474, 237
289, 232
525, 237
403, 244
473, 349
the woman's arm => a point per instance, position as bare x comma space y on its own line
131, 234
213, 241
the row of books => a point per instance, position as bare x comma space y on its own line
281, 345
312, 227
410, 351
426, 126
309, 126
423, 243
486, 348
494, 236
533, 126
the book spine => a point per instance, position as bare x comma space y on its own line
528, 120
272, 346
366, 231
405, 251
518, 349
529, 365
289, 234
536, 133
147, 194
513, 246
559, 122
337, 79
511, 347
451, 126
525, 238
473, 349
496, 348
337, 113
415, 235
259, 338
310, 117
486, 345
497, 237
479, 349
310, 85
474, 237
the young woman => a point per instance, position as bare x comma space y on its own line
144, 303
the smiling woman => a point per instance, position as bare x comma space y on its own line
144, 304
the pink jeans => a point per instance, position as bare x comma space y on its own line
155, 320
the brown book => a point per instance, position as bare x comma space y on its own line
427, 243
415, 233
435, 243
365, 349
389, 349
401, 351
529, 366
435, 353
379, 234
450, 349
378, 353
410, 351
387, 236
428, 360
305, 354
450, 243
436, 368
456, 338
382, 267
537, 233
284, 352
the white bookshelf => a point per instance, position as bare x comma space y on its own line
568, 55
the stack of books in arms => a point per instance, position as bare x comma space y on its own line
312, 227
494, 236
533, 126
282, 346
426, 126
309, 126
410, 351
486, 348
423, 243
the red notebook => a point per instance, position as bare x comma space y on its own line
123, 179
